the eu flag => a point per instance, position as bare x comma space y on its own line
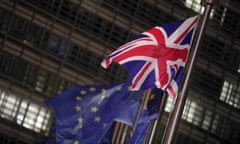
148, 115
52, 140
85, 113
129, 113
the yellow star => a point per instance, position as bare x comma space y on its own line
80, 126
78, 98
80, 120
97, 119
94, 109
92, 89
129, 88
104, 125
103, 91
101, 99
83, 92
152, 96
78, 108
119, 88
76, 142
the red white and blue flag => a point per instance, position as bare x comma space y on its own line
156, 58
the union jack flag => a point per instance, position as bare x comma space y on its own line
156, 58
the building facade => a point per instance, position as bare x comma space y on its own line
47, 46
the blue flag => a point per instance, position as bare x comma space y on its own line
107, 139
85, 113
129, 113
148, 115
52, 140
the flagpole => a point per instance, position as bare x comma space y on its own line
142, 106
157, 121
175, 118
119, 134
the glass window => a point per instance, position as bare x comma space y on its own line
50, 6
88, 60
57, 45
148, 13
189, 111
12, 66
35, 117
19, 27
118, 35
211, 140
42, 81
31, 75
207, 119
207, 83
152, 15
169, 104
129, 7
24, 112
230, 94
22, 109
225, 128
49, 83
195, 5
233, 59
62, 85
30, 117
227, 19
102, 27
214, 50
74, 53
4, 16
34, 35
8, 105
68, 11
186, 139
114, 73
215, 123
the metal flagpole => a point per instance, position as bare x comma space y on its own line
122, 129
173, 123
141, 107
158, 120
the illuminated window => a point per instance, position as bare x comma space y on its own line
192, 113
42, 81
207, 119
189, 110
194, 5
238, 70
8, 105
197, 6
24, 112
230, 94
169, 104
35, 118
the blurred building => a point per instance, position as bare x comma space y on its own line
47, 46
